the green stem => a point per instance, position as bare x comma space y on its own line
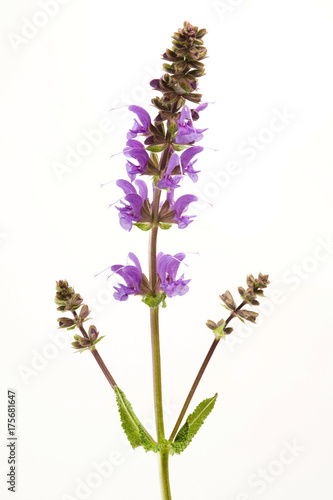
157, 378
164, 474
155, 338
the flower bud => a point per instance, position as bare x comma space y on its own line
93, 333
84, 313
228, 299
248, 296
76, 345
65, 322
84, 342
211, 325
75, 302
248, 315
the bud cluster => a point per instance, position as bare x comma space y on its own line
68, 300
179, 83
255, 288
84, 343
183, 69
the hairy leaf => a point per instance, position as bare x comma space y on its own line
134, 430
193, 423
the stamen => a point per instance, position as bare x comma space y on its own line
100, 272
105, 183
119, 107
116, 201
116, 154
115, 272
205, 201
180, 261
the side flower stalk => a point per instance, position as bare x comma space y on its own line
159, 153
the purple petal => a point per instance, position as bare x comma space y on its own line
184, 221
162, 262
143, 190
123, 272
138, 154
121, 293
142, 115
183, 202
185, 114
115, 268
188, 154
170, 182
132, 143
173, 162
135, 276
187, 134
174, 265
134, 259
193, 174
132, 170
135, 201
201, 107
126, 186
155, 83
170, 196
126, 221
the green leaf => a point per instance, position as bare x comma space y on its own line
179, 147
132, 426
219, 331
142, 226
155, 301
193, 423
99, 339
157, 148
164, 225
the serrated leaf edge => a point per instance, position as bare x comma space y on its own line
181, 443
141, 434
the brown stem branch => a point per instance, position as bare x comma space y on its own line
200, 374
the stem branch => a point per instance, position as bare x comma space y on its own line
200, 374
103, 367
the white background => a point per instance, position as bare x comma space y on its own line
273, 214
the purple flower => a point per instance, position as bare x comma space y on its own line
186, 131
186, 165
134, 149
132, 275
201, 107
180, 206
168, 181
133, 201
197, 110
141, 125
167, 268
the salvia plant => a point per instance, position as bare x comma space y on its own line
160, 152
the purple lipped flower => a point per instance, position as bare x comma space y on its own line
168, 181
179, 207
134, 149
201, 107
141, 125
132, 203
198, 109
187, 133
186, 165
167, 267
132, 275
